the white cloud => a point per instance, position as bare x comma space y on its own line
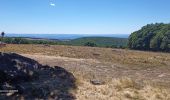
52, 4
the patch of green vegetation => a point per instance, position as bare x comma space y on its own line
155, 37
20, 40
90, 44
100, 42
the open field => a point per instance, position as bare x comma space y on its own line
125, 74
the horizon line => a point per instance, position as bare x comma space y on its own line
75, 33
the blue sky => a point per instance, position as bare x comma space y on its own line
81, 16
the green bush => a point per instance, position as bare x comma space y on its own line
90, 44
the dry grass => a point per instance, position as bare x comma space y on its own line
121, 89
128, 57
128, 74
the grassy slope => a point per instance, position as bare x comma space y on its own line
107, 63
100, 41
130, 57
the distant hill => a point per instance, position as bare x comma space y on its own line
85, 41
154, 37
100, 41
65, 36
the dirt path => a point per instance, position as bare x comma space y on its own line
94, 69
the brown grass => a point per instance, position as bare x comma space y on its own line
128, 74
121, 89
128, 57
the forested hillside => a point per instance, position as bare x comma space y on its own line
154, 37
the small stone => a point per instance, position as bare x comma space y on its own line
97, 82
161, 75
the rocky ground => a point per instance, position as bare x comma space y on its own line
25, 78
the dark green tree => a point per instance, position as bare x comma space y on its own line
151, 37
2, 35
90, 44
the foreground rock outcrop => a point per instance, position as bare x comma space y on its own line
31, 80
16, 68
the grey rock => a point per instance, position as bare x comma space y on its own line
97, 82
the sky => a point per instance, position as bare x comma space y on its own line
81, 16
